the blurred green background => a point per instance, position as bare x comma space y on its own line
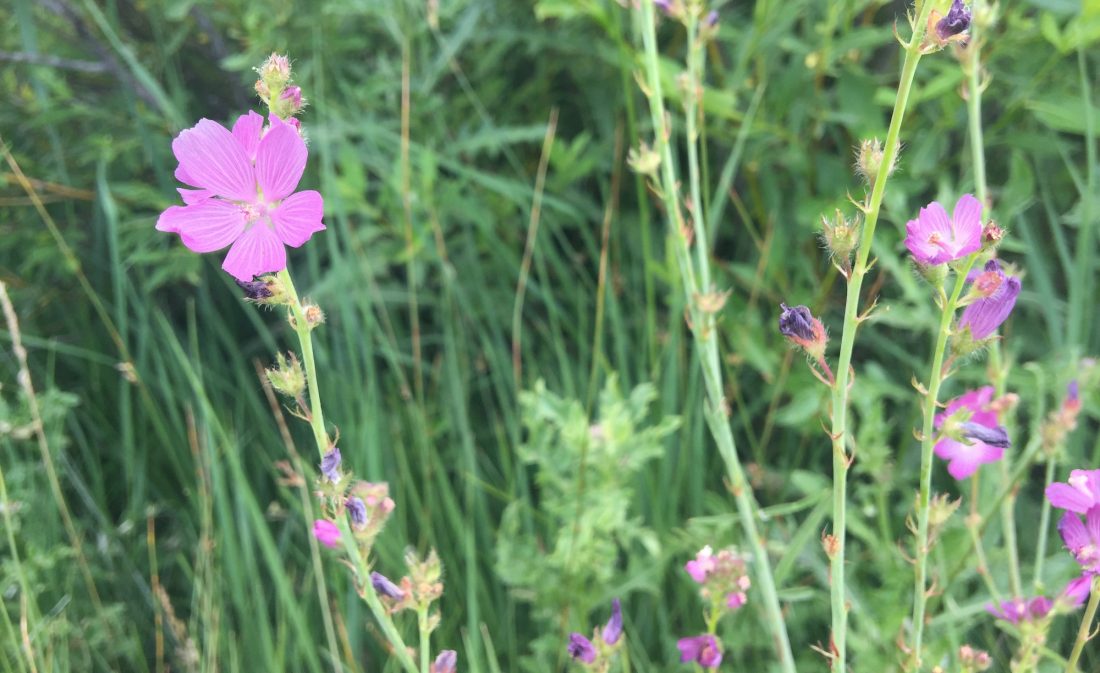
160, 452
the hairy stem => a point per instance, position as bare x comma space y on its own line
1086, 625
840, 431
305, 341
703, 333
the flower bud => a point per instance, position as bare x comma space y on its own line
841, 237
869, 160
992, 233
803, 329
446, 662
314, 315
274, 74
287, 376
643, 160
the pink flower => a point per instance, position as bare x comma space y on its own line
1080, 494
245, 194
327, 533
933, 238
1018, 610
701, 565
1076, 592
703, 650
984, 440
1083, 539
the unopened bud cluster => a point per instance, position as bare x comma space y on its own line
722, 576
367, 505
275, 88
972, 660
417, 590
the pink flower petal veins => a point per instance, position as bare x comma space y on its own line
247, 131
206, 226
258, 251
966, 221
965, 459
298, 217
934, 238
1073, 532
211, 158
192, 196
280, 161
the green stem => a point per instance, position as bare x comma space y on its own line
707, 347
425, 638
973, 66
847, 341
1044, 526
1086, 625
305, 341
932, 391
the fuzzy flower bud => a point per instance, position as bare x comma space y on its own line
287, 376
376, 509
803, 330
327, 533
643, 160
425, 575
981, 318
265, 289
955, 23
869, 159
274, 75
357, 512
330, 466
581, 649
974, 660
384, 587
841, 237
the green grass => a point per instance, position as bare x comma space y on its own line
173, 480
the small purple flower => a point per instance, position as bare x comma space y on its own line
385, 587
933, 238
1083, 539
1018, 610
327, 533
330, 465
254, 289
712, 19
357, 511
703, 650
964, 457
581, 648
985, 315
613, 630
796, 323
956, 22
664, 5
1073, 391
446, 662
1080, 494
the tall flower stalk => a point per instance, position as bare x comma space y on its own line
702, 321
913, 50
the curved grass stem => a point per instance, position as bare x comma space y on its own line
703, 326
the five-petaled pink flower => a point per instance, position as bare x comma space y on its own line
245, 194
1080, 494
984, 441
934, 238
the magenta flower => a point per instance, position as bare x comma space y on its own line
1083, 539
446, 662
581, 648
984, 441
613, 630
327, 533
934, 238
985, 315
1018, 610
1076, 592
245, 196
701, 565
1080, 494
703, 650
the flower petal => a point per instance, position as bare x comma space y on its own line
280, 161
1064, 496
1074, 533
257, 251
191, 196
1092, 522
211, 158
966, 222
298, 217
247, 131
206, 226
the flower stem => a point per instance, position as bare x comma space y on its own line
932, 391
425, 638
848, 335
703, 333
305, 341
1086, 625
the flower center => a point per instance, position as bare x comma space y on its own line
255, 211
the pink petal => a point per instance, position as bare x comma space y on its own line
298, 217
257, 251
205, 226
1064, 496
1074, 533
1092, 522
1077, 591
247, 131
211, 158
967, 221
280, 161
191, 196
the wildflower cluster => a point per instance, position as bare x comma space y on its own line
723, 578
597, 653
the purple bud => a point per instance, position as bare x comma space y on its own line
796, 322
995, 436
614, 628
712, 18
254, 289
957, 21
385, 587
703, 650
1073, 391
330, 465
581, 648
664, 5
985, 315
446, 662
357, 511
